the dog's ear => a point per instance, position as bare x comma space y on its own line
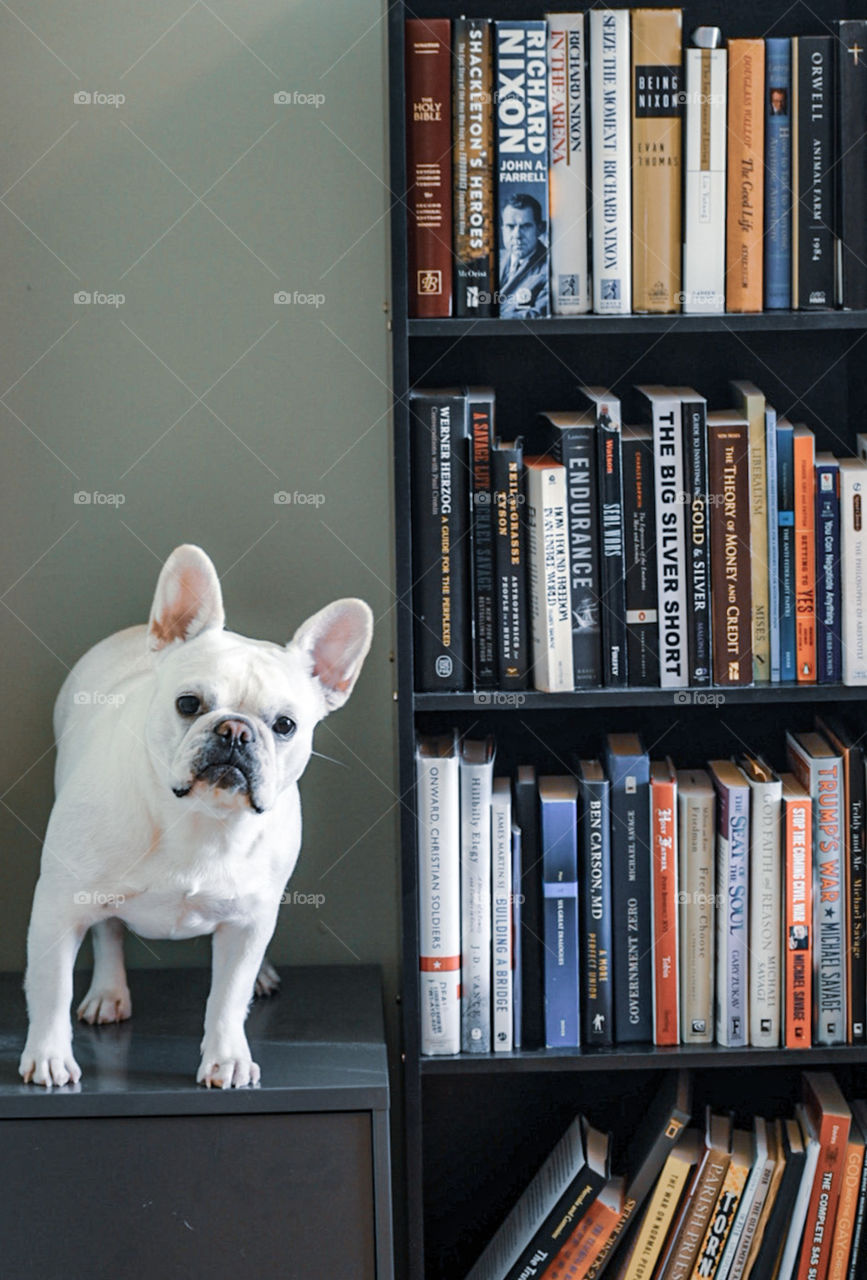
336, 641
188, 598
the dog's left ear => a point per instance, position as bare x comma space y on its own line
188, 598
336, 640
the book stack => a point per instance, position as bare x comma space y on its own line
630, 901
593, 161
702, 548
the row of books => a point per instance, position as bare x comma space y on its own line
631, 902
706, 548
545, 182
768, 1197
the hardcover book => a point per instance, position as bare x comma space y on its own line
775, 1220
696, 896
473, 166
704, 202
640, 1259
476, 779
853, 569
786, 526
480, 411
596, 905
751, 405
558, 799
701, 1200
522, 173
813, 177
722, 1218
532, 909
805, 553
657, 54
664, 852
567, 55
728, 450
831, 1119
778, 173
693, 408
439, 889
429, 166
733, 898
797, 819
610, 506
829, 663
731, 1262
746, 158
852, 160
773, 542
502, 992
793, 1226
847, 1205
548, 564
510, 565
765, 897
639, 550
610, 110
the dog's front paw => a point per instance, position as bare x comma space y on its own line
267, 980
227, 1068
102, 1005
48, 1064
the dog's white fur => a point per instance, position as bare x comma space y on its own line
147, 830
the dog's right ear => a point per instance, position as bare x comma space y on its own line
188, 599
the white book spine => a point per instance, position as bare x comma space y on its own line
749, 1210
439, 882
568, 195
732, 1006
610, 127
671, 512
853, 569
548, 562
766, 872
705, 182
476, 781
501, 845
697, 894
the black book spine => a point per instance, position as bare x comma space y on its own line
547, 1242
857, 800
852, 161
639, 548
532, 914
575, 447
814, 195
510, 566
481, 421
694, 419
441, 515
611, 561
597, 1004
631, 899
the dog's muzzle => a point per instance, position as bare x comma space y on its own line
228, 760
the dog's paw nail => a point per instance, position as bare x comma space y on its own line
104, 1006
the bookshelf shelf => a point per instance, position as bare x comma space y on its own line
640, 1058
580, 326
586, 699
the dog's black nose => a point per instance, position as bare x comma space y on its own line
238, 732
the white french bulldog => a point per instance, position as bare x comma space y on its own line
179, 749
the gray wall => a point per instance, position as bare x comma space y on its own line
103, 399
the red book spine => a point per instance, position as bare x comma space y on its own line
663, 818
833, 1131
429, 166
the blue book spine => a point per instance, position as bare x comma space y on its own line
786, 522
595, 855
629, 775
522, 172
773, 542
778, 174
829, 655
517, 899
560, 885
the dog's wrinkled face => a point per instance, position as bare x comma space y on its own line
231, 720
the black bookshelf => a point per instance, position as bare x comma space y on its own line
477, 1128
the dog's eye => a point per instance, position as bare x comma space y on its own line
284, 727
188, 704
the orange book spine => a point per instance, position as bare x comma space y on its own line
746, 183
805, 555
799, 920
833, 1133
583, 1247
847, 1209
666, 1023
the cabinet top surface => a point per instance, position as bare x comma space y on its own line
320, 1044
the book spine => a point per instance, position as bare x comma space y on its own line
560, 882
697, 892
754, 412
730, 575
548, 563
847, 1209
502, 994
813, 230
745, 209
853, 573
697, 1215
522, 172
694, 414
704, 248
786, 522
778, 174
799, 922
575, 447
596, 910
532, 911
630, 897
855, 1255
568, 174
473, 164
610, 155
639, 550
773, 542
829, 924
517, 938
856, 898
721, 1223
852, 161
475, 800
611, 565
733, 829
818, 1235
441, 514
480, 410
805, 557
670, 544
439, 883
829, 661
765, 982
429, 166
666, 997
510, 568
